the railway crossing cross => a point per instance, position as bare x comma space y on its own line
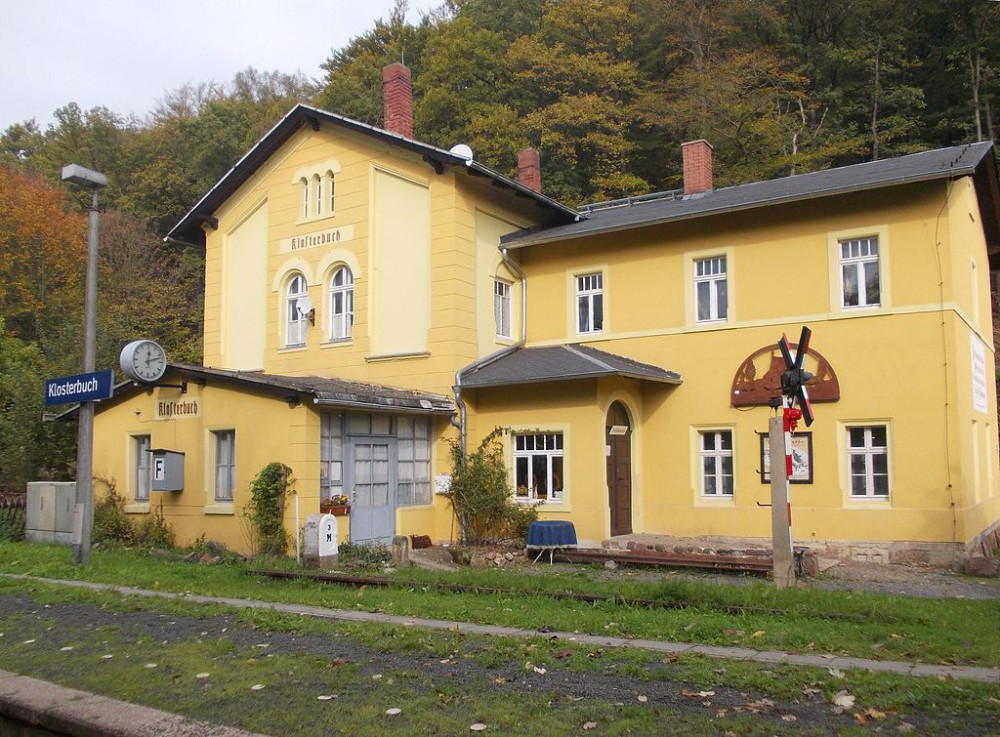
780, 429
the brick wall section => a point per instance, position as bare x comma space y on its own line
697, 166
529, 170
397, 95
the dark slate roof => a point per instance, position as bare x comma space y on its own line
561, 363
189, 228
943, 163
316, 390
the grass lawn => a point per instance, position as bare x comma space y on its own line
445, 682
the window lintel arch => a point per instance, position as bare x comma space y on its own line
288, 269
318, 169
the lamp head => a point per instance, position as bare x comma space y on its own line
82, 175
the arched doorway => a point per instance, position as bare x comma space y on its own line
618, 436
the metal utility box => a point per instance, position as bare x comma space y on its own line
168, 469
51, 508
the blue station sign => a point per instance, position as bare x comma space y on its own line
80, 388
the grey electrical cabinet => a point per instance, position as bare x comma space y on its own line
168, 469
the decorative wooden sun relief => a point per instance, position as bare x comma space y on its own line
758, 379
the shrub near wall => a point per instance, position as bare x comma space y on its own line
482, 496
266, 509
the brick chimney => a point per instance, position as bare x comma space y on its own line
697, 166
529, 169
397, 96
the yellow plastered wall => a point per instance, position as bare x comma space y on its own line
412, 239
266, 430
905, 364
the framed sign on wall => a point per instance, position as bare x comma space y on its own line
802, 463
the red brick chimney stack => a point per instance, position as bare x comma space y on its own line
397, 96
697, 166
529, 169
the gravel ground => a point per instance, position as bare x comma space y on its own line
907, 580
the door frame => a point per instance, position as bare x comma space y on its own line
618, 451
350, 480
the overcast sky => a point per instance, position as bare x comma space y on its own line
126, 54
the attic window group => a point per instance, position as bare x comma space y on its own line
318, 195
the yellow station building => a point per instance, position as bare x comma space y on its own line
369, 297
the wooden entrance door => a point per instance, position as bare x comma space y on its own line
618, 437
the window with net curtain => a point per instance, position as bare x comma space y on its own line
341, 304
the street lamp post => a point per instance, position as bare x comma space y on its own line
84, 516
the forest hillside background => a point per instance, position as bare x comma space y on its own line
606, 90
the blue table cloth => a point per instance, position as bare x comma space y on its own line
551, 534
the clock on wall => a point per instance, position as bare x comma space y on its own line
143, 361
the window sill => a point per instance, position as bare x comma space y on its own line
335, 342
137, 508
316, 218
712, 325
547, 503
219, 508
292, 348
717, 500
867, 502
397, 356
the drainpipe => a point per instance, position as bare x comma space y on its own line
486, 360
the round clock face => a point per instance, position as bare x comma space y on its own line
143, 360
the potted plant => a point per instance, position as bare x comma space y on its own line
336, 504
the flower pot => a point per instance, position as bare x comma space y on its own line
338, 509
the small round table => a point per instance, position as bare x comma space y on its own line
550, 535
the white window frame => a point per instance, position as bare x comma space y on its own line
589, 303
305, 198
318, 185
142, 479
502, 312
867, 452
855, 255
341, 304
717, 456
532, 450
224, 476
295, 320
332, 196
711, 274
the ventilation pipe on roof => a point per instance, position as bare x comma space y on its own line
460, 423
697, 166
397, 99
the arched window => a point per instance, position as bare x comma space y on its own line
295, 320
318, 182
341, 304
305, 197
331, 193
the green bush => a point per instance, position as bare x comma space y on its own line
482, 496
111, 524
365, 555
12, 521
153, 531
266, 508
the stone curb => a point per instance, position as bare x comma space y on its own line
67, 711
986, 675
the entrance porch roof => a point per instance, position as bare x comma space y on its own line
562, 363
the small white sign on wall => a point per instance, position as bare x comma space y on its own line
980, 399
442, 483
